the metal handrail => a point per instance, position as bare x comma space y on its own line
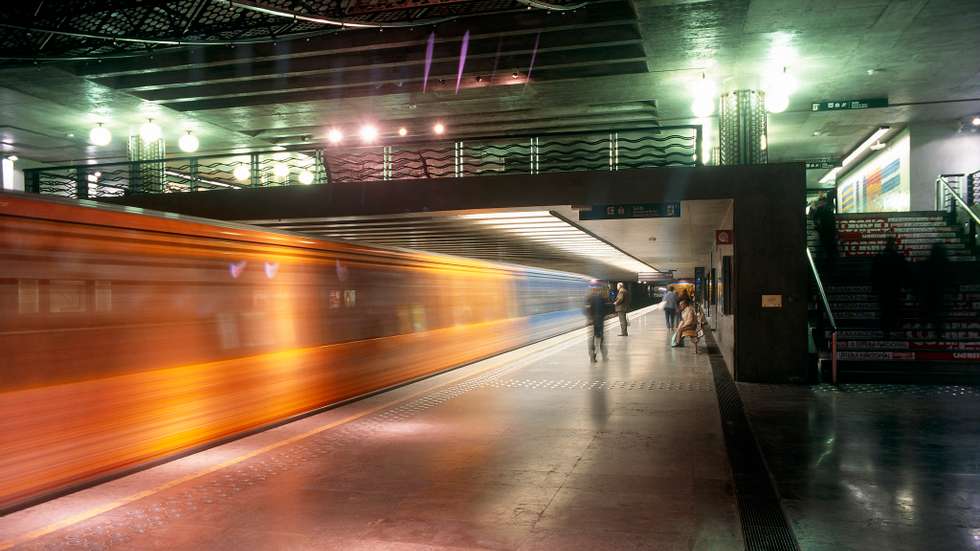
955, 195
830, 316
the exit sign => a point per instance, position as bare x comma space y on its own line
846, 104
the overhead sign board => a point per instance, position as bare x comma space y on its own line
640, 210
846, 104
820, 164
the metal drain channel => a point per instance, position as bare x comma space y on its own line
764, 525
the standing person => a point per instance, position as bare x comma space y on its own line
825, 223
887, 277
595, 312
622, 306
670, 307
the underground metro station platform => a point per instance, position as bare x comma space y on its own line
509, 275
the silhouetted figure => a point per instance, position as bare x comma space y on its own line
622, 306
595, 312
825, 223
888, 271
933, 274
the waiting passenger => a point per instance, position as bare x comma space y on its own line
670, 307
622, 306
688, 326
595, 312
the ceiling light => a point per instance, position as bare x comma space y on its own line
877, 146
975, 121
100, 135
240, 173
280, 170
188, 143
12, 158
369, 133
439, 128
776, 102
403, 131
306, 177
703, 106
516, 214
872, 139
335, 136
150, 131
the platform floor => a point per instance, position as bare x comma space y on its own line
534, 449
866, 466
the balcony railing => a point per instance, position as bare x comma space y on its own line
542, 153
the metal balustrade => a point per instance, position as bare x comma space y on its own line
329, 164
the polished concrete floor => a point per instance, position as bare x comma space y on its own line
534, 449
862, 467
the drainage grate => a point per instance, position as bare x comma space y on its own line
764, 524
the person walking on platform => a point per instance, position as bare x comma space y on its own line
622, 306
595, 312
670, 307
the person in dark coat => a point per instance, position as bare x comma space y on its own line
622, 306
595, 311
888, 271
825, 224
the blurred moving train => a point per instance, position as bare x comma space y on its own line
129, 336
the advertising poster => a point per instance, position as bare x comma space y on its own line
880, 183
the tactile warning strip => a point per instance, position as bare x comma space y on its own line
598, 384
764, 525
868, 389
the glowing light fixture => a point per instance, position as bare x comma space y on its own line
188, 143
369, 133
100, 135
975, 121
704, 97
865, 145
403, 131
439, 128
280, 170
306, 177
831, 176
150, 131
240, 173
335, 136
12, 158
776, 103
546, 229
779, 86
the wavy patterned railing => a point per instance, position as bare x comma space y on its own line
546, 153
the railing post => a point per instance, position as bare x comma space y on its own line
193, 173
32, 180
255, 175
699, 146
833, 357
81, 183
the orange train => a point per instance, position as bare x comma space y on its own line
128, 337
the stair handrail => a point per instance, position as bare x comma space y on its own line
943, 189
830, 315
956, 196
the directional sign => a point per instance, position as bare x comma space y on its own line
845, 104
641, 210
818, 164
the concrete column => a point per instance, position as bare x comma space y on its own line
742, 128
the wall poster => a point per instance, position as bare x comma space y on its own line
880, 183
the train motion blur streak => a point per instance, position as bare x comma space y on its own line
130, 337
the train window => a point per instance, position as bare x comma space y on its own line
103, 296
66, 296
350, 298
28, 297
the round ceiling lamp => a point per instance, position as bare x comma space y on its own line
439, 128
150, 131
369, 133
240, 173
335, 136
188, 143
306, 177
280, 170
704, 92
776, 102
403, 132
100, 135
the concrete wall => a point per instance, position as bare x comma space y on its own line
724, 326
939, 148
769, 344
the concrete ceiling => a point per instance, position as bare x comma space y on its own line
612, 64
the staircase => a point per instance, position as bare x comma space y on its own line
913, 352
